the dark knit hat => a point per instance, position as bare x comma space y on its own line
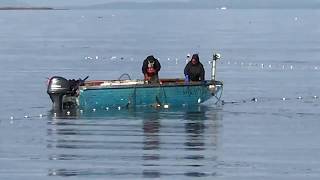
150, 58
196, 57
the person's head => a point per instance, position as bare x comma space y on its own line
195, 59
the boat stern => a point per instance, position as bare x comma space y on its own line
215, 88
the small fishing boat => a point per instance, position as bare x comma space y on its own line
107, 94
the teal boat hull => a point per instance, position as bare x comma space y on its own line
166, 94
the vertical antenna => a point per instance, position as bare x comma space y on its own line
215, 57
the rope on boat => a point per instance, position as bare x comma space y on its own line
124, 74
219, 98
164, 94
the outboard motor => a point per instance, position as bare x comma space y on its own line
57, 88
63, 92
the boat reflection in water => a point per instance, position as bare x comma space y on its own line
139, 143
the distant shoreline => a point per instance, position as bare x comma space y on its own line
29, 8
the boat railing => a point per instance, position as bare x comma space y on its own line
103, 83
140, 83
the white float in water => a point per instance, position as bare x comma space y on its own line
254, 99
54, 173
223, 8
166, 106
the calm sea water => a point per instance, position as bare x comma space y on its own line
267, 127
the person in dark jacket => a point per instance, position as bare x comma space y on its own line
194, 70
150, 68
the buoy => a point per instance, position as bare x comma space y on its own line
54, 173
119, 108
283, 99
254, 99
40, 115
94, 110
68, 113
166, 106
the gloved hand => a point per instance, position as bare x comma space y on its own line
186, 79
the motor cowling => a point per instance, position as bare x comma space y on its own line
58, 87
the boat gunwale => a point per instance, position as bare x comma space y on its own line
157, 85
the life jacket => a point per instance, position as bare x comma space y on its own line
150, 69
